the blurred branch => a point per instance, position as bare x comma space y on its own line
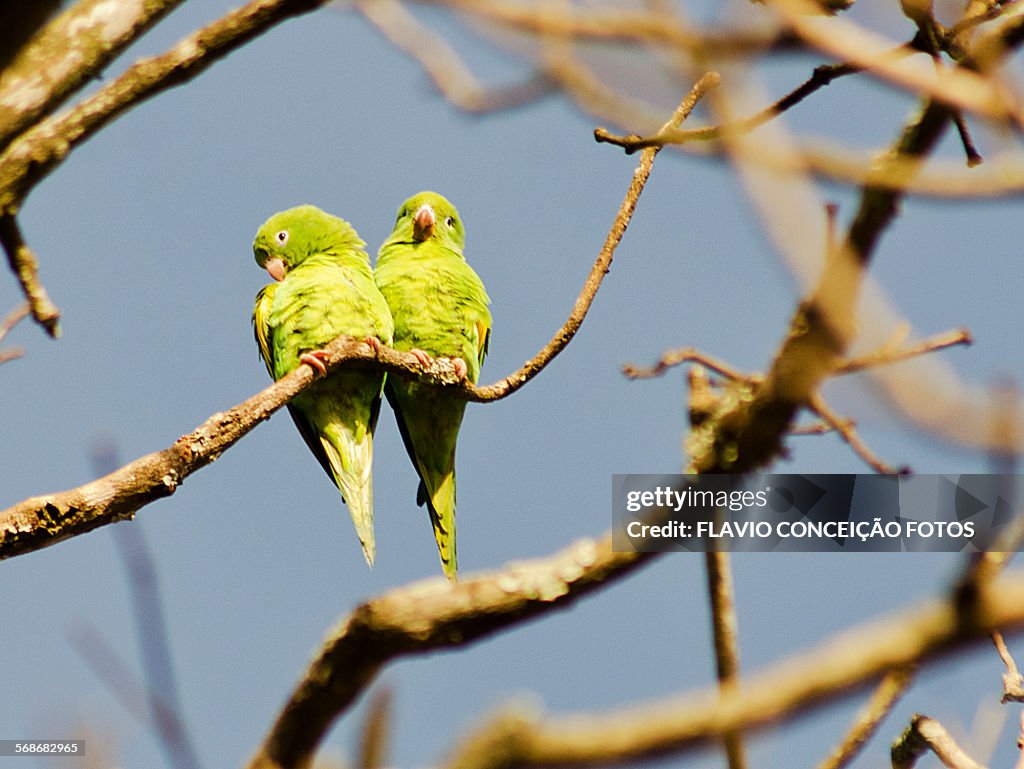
166, 716
621, 25
869, 717
725, 632
66, 54
26, 268
373, 748
926, 734
8, 323
444, 66
1013, 682
956, 88
847, 431
43, 147
838, 668
20, 23
894, 353
427, 616
942, 180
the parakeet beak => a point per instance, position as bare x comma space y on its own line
423, 223
275, 267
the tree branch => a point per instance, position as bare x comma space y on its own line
23, 263
564, 335
836, 669
42, 148
427, 616
66, 54
869, 717
925, 734
41, 521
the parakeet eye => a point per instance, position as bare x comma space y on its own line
281, 237
450, 221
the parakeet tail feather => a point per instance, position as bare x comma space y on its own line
355, 480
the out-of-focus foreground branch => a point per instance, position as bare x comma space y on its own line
842, 666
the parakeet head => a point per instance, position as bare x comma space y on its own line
429, 216
287, 238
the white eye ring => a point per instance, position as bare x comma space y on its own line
450, 221
281, 237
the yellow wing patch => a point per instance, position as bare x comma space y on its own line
261, 324
483, 335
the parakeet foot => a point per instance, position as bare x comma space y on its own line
373, 343
421, 355
315, 360
461, 370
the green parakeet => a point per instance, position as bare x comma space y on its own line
439, 306
324, 288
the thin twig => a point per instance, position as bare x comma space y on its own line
23, 263
956, 88
1013, 682
847, 431
894, 353
678, 357
869, 717
925, 734
821, 77
564, 335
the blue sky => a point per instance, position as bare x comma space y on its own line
144, 236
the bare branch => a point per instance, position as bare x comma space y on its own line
66, 54
894, 353
848, 432
725, 631
956, 88
23, 263
1013, 682
674, 358
426, 616
925, 734
821, 77
838, 668
42, 148
41, 521
565, 334
869, 717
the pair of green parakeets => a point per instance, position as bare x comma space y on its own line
423, 298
